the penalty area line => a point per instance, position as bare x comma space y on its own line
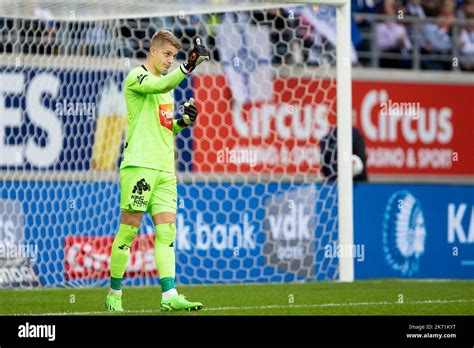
216, 309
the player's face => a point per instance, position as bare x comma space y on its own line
163, 57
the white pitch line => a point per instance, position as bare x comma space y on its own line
341, 304
349, 304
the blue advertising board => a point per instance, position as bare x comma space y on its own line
225, 232
414, 231
242, 232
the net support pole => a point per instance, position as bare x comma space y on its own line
344, 142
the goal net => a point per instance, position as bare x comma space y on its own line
259, 198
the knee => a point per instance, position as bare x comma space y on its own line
165, 233
126, 234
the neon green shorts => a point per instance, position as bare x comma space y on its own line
145, 189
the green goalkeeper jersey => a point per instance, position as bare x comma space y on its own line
150, 119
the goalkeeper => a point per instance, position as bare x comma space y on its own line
147, 173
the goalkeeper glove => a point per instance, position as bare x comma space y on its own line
189, 115
198, 55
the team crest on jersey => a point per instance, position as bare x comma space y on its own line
165, 112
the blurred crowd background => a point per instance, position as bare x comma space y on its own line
408, 34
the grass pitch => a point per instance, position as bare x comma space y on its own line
374, 297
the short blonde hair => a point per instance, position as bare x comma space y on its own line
164, 36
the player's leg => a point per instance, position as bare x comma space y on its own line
135, 191
164, 247
163, 210
130, 223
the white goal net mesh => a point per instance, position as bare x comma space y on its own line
253, 204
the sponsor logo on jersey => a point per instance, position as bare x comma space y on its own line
137, 193
404, 233
141, 186
165, 112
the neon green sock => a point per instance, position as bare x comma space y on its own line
164, 250
120, 252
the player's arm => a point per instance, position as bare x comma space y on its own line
147, 83
190, 115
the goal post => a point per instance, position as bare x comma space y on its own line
344, 125
254, 204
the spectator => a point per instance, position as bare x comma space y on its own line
96, 40
363, 26
45, 33
466, 39
447, 15
435, 40
415, 9
316, 44
392, 38
461, 9
366, 6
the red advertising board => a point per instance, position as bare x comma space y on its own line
88, 257
409, 128
415, 128
279, 135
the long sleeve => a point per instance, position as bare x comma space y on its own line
146, 83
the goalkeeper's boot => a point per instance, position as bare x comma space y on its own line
113, 303
179, 303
